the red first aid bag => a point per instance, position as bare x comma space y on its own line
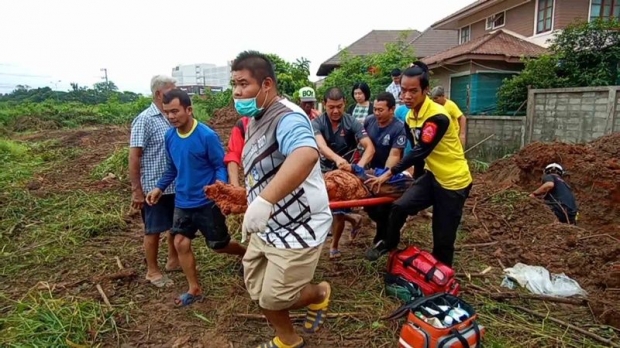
421, 268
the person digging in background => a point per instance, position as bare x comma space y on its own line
307, 100
445, 185
338, 136
232, 160
195, 160
458, 119
557, 194
288, 213
147, 163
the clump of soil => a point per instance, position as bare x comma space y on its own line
230, 199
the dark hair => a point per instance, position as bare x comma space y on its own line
179, 94
362, 86
420, 70
388, 98
396, 72
258, 64
333, 93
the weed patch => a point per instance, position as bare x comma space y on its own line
40, 320
117, 164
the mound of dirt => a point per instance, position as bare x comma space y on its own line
522, 229
223, 121
592, 171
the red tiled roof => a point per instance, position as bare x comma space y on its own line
497, 43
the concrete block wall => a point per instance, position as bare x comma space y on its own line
504, 133
574, 115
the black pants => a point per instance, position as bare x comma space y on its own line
447, 211
563, 214
380, 214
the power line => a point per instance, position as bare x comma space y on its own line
24, 75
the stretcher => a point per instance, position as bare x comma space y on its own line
365, 202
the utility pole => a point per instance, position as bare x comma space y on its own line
105, 77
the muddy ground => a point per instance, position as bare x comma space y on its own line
501, 226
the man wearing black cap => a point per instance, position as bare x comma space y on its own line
394, 87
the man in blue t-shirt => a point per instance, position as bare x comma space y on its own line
195, 159
389, 139
401, 114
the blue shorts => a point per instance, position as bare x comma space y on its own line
159, 217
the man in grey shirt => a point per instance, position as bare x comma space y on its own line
338, 135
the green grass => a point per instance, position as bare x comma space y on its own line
40, 320
117, 164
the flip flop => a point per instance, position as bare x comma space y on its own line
187, 299
164, 281
334, 254
317, 313
276, 343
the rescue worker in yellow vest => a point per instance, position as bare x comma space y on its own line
457, 119
443, 180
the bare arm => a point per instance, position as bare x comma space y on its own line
462, 129
292, 174
394, 157
135, 154
369, 151
325, 150
233, 173
544, 188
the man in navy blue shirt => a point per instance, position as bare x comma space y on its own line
195, 159
388, 136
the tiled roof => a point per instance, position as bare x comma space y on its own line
373, 42
461, 11
431, 42
497, 43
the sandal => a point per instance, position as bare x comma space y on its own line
334, 254
187, 299
276, 343
161, 282
316, 313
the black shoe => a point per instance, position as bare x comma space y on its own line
376, 252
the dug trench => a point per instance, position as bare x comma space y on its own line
501, 226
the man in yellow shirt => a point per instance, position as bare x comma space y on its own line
445, 182
460, 122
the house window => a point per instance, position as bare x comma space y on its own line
544, 16
496, 21
464, 35
604, 9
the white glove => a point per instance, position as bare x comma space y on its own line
256, 217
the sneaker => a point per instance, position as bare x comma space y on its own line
377, 251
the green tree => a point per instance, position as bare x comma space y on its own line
373, 69
583, 54
291, 76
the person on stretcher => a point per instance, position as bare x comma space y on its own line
338, 135
388, 136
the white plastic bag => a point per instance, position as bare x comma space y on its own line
538, 280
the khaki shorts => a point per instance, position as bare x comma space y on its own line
274, 276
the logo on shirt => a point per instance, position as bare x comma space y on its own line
386, 140
428, 132
401, 140
257, 146
253, 177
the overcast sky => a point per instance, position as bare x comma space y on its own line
44, 41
